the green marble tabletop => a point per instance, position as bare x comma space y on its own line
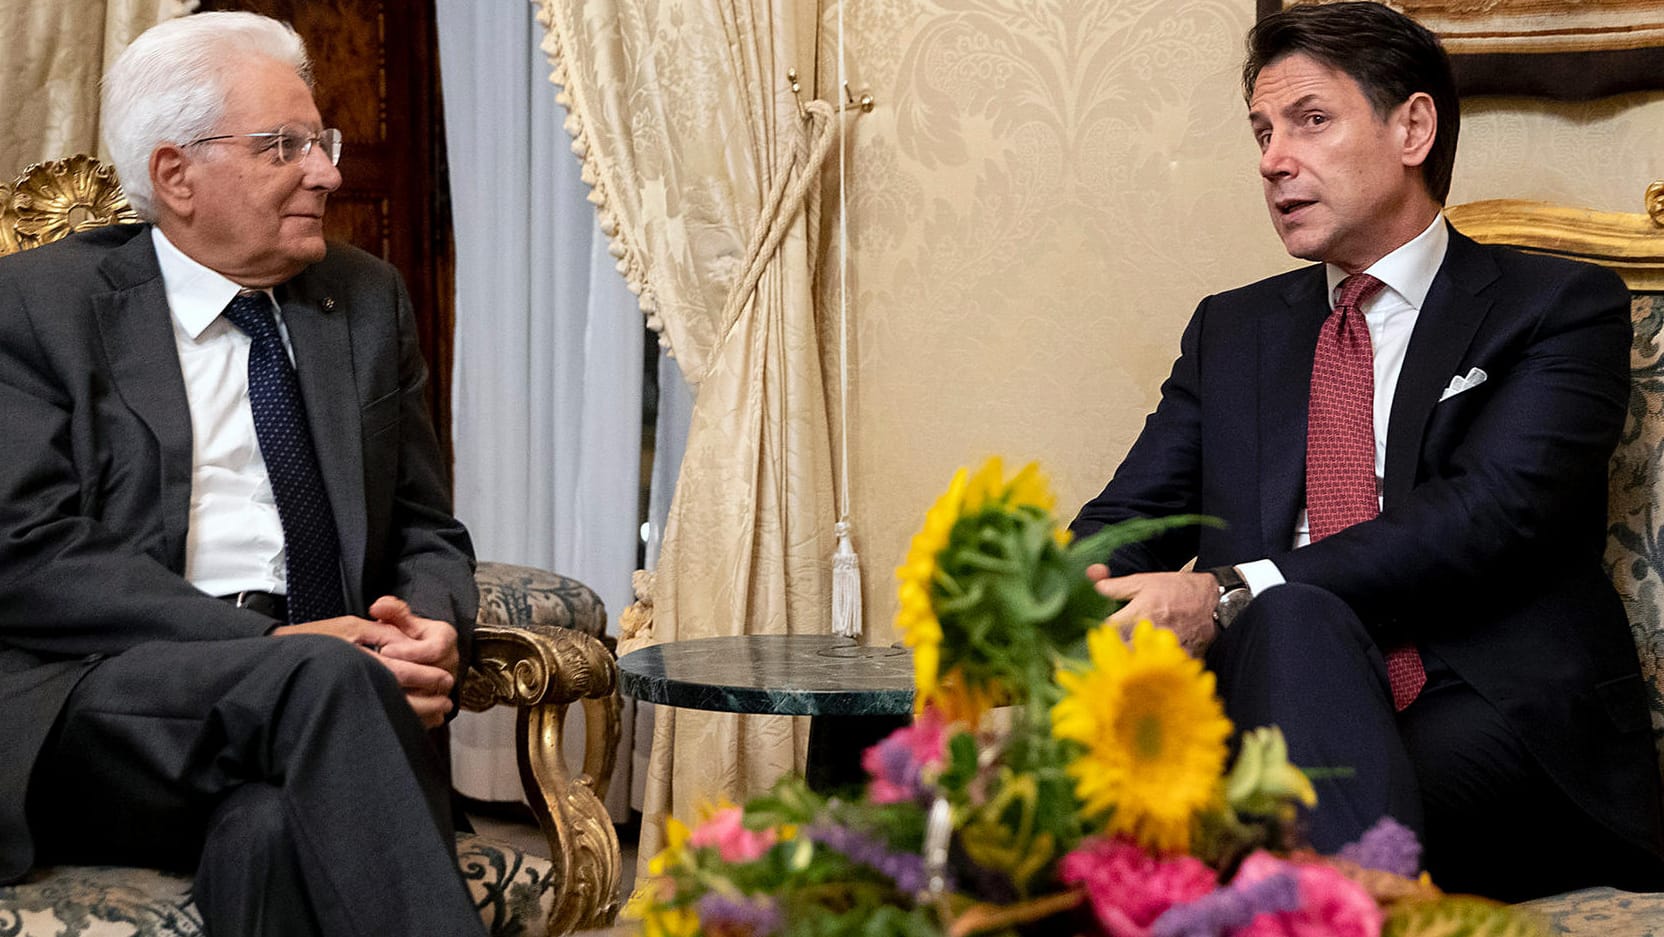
790, 675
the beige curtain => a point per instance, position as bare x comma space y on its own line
56, 53
701, 166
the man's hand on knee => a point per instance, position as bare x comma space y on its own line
1183, 603
427, 682
361, 631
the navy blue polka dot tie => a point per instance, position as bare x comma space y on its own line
312, 552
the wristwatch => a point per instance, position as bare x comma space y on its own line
1234, 595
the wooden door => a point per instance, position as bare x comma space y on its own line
376, 66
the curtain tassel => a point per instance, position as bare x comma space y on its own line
846, 586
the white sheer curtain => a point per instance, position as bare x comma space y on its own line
548, 370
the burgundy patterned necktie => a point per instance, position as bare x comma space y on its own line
1340, 445
312, 553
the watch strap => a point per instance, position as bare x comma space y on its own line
1229, 578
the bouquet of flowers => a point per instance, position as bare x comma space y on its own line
1102, 801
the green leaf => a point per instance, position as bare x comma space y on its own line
1460, 916
1116, 536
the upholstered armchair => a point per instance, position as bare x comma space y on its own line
537, 648
1632, 244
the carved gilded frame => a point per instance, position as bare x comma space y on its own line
1560, 49
1630, 243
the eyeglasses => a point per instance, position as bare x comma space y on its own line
288, 144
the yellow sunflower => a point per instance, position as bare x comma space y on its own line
967, 494
915, 611
1154, 733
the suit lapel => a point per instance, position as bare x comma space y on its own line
1454, 309
1288, 341
136, 329
322, 345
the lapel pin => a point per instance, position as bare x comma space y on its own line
328, 304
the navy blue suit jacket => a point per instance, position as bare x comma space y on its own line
1488, 549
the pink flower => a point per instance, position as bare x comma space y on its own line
1331, 905
1128, 888
734, 843
897, 764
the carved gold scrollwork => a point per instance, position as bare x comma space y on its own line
8, 222
1631, 244
543, 669
55, 199
531, 665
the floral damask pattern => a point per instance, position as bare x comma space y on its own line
1602, 912
1635, 545
510, 888
512, 594
1035, 207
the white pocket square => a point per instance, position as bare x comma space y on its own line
1460, 383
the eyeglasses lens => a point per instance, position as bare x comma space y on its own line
294, 146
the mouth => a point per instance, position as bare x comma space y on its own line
1291, 207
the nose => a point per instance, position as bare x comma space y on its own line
1275, 160
320, 172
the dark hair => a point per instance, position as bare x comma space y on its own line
1388, 54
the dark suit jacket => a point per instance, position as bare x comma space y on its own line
95, 478
1488, 550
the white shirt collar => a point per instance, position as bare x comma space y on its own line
196, 294
1409, 270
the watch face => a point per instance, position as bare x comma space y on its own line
1231, 605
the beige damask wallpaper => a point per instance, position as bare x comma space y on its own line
1044, 192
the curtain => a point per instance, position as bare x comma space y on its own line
548, 355
56, 54
700, 162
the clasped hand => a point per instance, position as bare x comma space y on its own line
1183, 603
420, 652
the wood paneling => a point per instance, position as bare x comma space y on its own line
376, 67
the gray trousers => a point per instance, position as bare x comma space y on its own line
289, 772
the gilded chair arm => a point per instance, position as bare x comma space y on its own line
541, 666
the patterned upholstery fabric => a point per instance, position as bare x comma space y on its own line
511, 889
1635, 545
1635, 561
522, 595
1602, 912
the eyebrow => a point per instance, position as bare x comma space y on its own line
1297, 105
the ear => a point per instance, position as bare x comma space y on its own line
170, 180
1418, 124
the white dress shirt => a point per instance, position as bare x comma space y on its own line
235, 539
1391, 315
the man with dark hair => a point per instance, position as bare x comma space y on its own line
232, 593
1408, 442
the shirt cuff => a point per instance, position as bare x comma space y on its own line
1260, 575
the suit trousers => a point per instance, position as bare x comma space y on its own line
289, 772
1449, 766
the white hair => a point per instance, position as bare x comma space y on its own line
170, 86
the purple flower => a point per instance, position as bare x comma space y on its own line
1229, 908
722, 916
1389, 846
905, 869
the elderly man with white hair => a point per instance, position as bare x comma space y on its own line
232, 594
